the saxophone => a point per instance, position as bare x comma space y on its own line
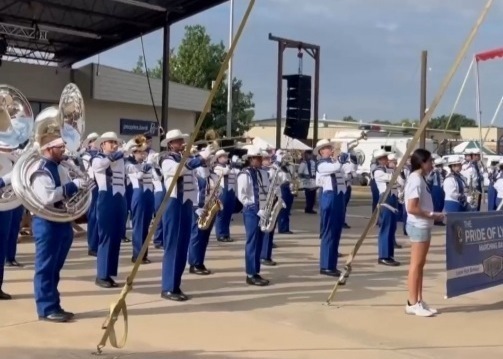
273, 205
212, 206
473, 194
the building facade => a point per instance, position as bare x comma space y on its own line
115, 100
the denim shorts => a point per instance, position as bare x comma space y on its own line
418, 235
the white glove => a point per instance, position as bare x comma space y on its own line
206, 153
79, 183
226, 171
261, 213
199, 212
279, 158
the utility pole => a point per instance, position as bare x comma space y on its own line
229, 75
422, 96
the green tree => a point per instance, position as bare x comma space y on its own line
349, 119
197, 62
457, 121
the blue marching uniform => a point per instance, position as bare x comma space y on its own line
228, 199
159, 193
51, 184
199, 238
253, 185
387, 217
455, 198
373, 188
177, 220
436, 179
92, 222
492, 193
15, 227
142, 202
332, 206
283, 222
349, 167
307, 172
111, 211
498, 187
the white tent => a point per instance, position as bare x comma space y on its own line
471, 145
287, 143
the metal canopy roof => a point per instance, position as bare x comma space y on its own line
65, 32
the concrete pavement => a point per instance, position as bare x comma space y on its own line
228, 320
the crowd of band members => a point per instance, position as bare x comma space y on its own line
131, 181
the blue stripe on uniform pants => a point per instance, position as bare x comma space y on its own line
5, 220
15, 227
111, 217
177, 224
129, 194
142, 207
52, 244
386, 239
254, 240
223, 218
310, 199
284, 213
267, 244
158, 197
92, 223
199, 240
331, 218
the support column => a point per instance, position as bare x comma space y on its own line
165, 76
279, 99
316, 95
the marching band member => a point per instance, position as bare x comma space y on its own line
386, 238
252, 188
498, 185
472, 173
349, 167
373, 186
177, 219
227, 195
92, 225
437, 178
109, 173
332, 206
286, 194
159, 193
492, 176
199, 238
454, 187
17, 216
283, 178
237, 165
142, 199
51, 184
307, 172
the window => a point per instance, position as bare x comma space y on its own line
37, 107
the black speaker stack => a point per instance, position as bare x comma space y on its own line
298, 106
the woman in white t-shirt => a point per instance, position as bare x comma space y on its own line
420, 218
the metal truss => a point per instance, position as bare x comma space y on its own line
23, 32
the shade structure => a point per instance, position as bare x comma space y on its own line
287, 143
489, 55
471, 145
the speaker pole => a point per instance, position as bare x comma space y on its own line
314, 52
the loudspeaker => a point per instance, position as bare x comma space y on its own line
298, 106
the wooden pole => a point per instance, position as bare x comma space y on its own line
422, 96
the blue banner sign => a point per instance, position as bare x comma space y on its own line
474, 251
138, 127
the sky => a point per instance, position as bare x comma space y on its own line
370, 53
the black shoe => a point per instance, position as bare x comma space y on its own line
257, 280
59, 317
177, 296
274, 245
126, 240
144, 261
268, 262
399, 246
346, 226
92, 253
225, 239
199, 270
13, 263
441, 224
310, 211
158, 246
106, 283
4, 296
388, 262
330, 272
69, 314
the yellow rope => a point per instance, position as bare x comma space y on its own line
120, 307
424, 122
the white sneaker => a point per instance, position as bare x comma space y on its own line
427, 307
417, 309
